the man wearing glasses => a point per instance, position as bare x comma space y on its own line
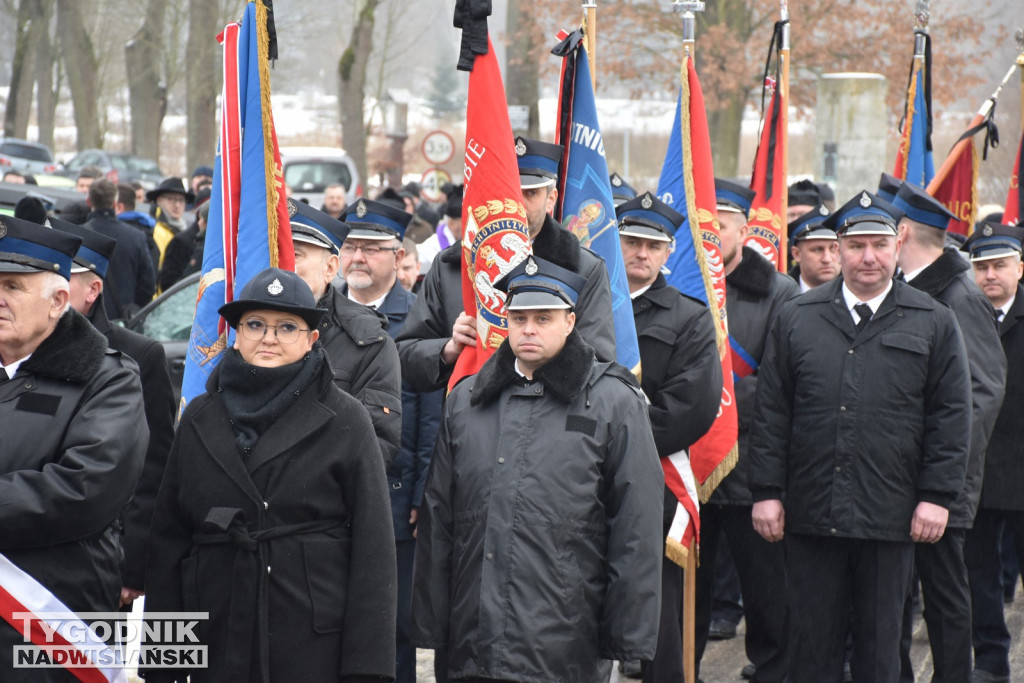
363, 356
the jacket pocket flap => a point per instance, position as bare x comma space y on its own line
660, 333
905, 341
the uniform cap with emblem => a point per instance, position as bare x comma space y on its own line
865, 214
648, 217
888, 186
539, 284
96, 251
276, 290
621, 190
921, 207
538, 162
315, 227
733, 197
809, 226
803, 193
994, 240
27, 247
370, 220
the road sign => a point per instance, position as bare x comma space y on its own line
438, 147
432, 181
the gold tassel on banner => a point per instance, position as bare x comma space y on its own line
263, 38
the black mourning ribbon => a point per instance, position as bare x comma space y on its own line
991, 132
471, 17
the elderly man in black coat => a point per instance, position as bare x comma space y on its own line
754, 293
364, 357
87, 272
859, 447
539, 547
73, 442
945, 275
682, 379
996, 256
437, 328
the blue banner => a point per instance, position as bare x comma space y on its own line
920, 164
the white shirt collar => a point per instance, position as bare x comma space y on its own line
852, 300
12, 368
376, 304
909, 275
519, 372
1005, 308
804, 287
634, 295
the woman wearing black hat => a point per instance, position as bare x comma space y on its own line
273, 515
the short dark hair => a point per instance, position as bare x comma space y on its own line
126, 196
90, 172
102, 194
13, 173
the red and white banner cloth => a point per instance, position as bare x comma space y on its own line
22, 598
686, 521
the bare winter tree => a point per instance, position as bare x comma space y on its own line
202, 81
32, 26
81, 67
47, 78
352, 84
147, 91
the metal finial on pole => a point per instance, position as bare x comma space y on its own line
1019, 36
688, 7
922, 13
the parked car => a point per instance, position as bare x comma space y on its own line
22, 155
116, 166
168, 320
308, 170
55, 199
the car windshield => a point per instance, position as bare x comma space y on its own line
171, 318
134, 164
23, 151
314, 176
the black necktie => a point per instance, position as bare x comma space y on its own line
3, 375
864, 311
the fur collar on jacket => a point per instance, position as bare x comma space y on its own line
564, 376
554, 243
72, 353
753, 275
943, 270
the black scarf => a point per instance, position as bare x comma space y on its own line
255, 397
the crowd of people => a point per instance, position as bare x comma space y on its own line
332, 507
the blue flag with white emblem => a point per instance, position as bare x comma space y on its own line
585, 206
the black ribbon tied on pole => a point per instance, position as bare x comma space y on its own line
774, 48
987, 124
471, 17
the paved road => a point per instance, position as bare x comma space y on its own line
724, 659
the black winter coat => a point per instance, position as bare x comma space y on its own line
184, 255
131, 280
950, 280
158, 402
72, 438
754, 293
1003, 486
313, 605
429, 326
853, 430
539, 545
365, 363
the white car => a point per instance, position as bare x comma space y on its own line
25, 156
308, 170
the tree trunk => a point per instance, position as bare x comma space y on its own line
47, 60
80, 64
23, 68
147, 92
351, 85
522, 82
202, 81
724, 126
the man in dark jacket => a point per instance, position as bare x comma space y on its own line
754, 293
143, 222
131, 279
682, 379
996, 256
74, 438
184, 253
363, 356
539, 546
813, 249
859, 445
86, 289
370, 258
438, 327
945, 275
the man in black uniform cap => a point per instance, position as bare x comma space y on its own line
363, 356
437, 328
814, 249
946, 276
682, 378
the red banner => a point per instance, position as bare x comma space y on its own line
1011, 214
495, 235
767, 211
958, 190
